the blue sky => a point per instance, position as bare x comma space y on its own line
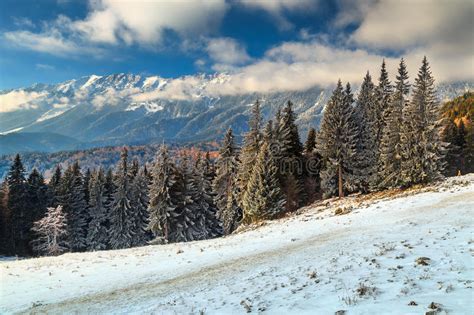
265, 44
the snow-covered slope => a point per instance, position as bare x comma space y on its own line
390, 254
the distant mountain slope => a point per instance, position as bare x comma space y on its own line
37, 141
131, 109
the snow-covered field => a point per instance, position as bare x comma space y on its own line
382, 254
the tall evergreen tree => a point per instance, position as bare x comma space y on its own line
74, 204
54, 187
366, 146
36, 195
289, 159
17, 203
203, 178
422, 148
140, 201
390, 145
336, 144
86, 180
97, 236
225, 185
263, 198
250, 149
164, 197
310, 143
51, 233
121, 212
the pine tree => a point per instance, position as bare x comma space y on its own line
51, 233
121, 212
263, 198
140, 199
37, 195
310, 143
336, 144
250, 149
75, 207
163, 208
17, 203
366, 147
468, 151
203, 178
6, 241
390, 145
225, 186
86, 180
422, 148
384, 93
289, 159
97, 236
54, 187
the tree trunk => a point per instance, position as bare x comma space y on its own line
341, 192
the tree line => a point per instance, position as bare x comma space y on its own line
383, 139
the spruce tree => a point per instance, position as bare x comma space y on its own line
336, 144
37, 195
51, 233
366, 145
121, 212
163, 208
250, 149
422, 148
54, 187
86, 180
74, 204
289, 159
390, 145
17, 203
225, 185
140, 201
263, 199
203, 178
97, 236
310, 143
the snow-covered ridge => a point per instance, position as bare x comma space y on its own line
387, 253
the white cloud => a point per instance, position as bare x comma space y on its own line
18, 99
42, 66
226, 53
177, 89
112, 97
145, 21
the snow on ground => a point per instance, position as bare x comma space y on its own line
383, 253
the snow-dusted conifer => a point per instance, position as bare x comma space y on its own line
225, 186
336, 144
390, 145
140, 199
422, 148
263, 198
163, 208
121, 212
366, 147
51, 233
97, 236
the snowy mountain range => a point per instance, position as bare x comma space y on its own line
133, 109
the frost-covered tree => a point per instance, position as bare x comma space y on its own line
140, 199
203, 178
263, 198
121, 212
51, 232
97, 236
422, 148
365, 160
336, 144
288, 154
225, 185
390, 145
163, 208
250, 149
75, 207
86, 180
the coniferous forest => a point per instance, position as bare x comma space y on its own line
391, 135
